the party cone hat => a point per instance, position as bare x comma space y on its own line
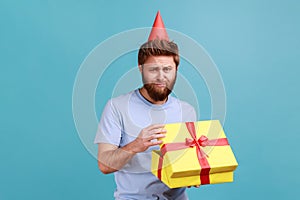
158, 29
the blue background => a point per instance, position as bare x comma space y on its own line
255, 45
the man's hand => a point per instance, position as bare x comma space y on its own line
148, 137
112, 158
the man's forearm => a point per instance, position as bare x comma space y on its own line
113, 160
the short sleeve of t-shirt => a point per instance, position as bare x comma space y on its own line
109, 128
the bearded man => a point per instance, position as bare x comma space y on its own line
132, 124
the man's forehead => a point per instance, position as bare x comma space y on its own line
161, 60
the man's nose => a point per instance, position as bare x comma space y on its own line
160, 74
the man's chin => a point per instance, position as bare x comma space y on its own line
160, 95
157, 92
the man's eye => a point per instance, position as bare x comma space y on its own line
153, 69
167, 69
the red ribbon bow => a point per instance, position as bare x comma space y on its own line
193, 142
202, 141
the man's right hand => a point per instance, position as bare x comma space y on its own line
112, 158
148, 137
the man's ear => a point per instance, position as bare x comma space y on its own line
140, 68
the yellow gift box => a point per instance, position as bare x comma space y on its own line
194, 153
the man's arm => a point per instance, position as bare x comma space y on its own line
112, 158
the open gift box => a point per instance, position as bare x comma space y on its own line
194, 153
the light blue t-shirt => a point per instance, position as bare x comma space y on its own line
122, 120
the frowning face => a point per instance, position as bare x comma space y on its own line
159, 76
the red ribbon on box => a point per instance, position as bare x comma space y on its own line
190, 143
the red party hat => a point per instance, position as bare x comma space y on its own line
158, 29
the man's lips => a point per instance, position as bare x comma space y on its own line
161, 85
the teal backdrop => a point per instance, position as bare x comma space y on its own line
255, 45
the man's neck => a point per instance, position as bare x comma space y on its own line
145, 94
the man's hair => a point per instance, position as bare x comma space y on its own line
158, 48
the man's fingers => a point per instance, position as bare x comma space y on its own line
153, 143
150, 135
153, 137
151, 132
157, 130
156, 136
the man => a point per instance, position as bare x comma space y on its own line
132, 124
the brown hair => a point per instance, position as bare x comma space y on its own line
158, 48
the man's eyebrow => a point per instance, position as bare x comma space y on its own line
154, 66
167, 66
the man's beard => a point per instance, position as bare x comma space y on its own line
159, 94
